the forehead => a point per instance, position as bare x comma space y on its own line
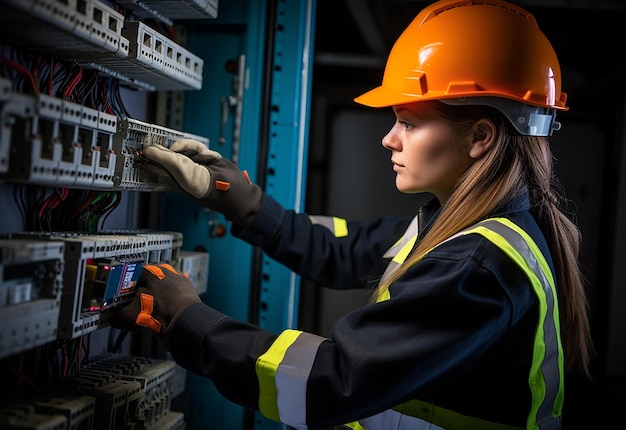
421, 109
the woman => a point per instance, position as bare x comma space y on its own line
479, 308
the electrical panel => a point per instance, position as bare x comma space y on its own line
68, 154
70, 71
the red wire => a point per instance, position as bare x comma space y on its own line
23, 70
92, 195
53, 200
72, 85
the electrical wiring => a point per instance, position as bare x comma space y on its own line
72, 351
116, 199
71, 85
19, 371
54, 67
18, 197
64, 209
104, 96
112, 98
23, 71
115, 98
29, 198
62, 218
17, 78
47, 207
91, 209
85, 87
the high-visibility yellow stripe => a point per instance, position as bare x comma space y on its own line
536, 380
404, 252
354, 426
340, 227
266, 366
533, 246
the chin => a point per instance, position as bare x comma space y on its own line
405, 188
409, 190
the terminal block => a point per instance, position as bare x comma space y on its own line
156, 378
95, 35
157, 60
76, 29
31, 276
128, 142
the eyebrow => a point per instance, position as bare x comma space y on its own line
402, 109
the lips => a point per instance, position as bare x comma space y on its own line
396, 166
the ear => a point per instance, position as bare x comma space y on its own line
483, 137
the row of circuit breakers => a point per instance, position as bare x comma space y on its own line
111, 392
95, 35
54, 142
61, 285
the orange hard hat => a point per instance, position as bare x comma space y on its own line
457, 49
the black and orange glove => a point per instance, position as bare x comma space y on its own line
162, 295
206, 176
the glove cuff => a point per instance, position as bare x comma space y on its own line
166, 332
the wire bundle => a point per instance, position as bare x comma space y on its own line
44, 74
64, 209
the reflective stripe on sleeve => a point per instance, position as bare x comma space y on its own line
338, 226
283, 372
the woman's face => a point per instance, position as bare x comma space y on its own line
428, 155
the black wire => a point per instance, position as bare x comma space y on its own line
62, 77
111, 207
85, 87
19, 200
66, 210
118, 98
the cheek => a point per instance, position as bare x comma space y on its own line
437, 160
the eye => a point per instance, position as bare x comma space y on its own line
407, 125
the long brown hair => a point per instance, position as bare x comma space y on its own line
513, 165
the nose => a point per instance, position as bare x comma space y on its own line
390, 140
